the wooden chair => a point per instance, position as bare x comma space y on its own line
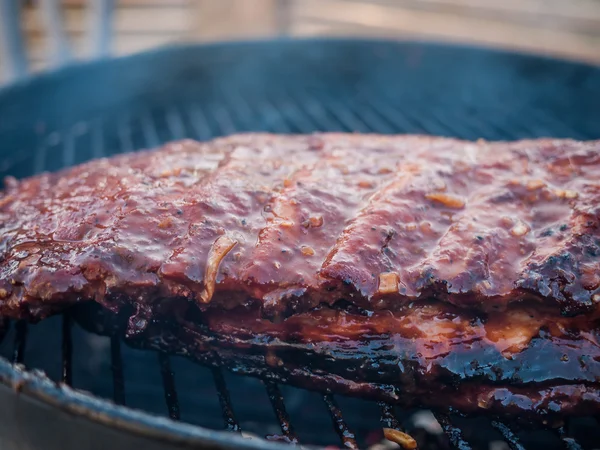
12, 46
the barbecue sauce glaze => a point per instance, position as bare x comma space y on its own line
468, 259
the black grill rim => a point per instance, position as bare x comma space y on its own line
77, 65
37, 386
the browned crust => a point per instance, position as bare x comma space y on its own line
315, 219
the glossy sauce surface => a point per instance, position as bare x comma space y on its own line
525, 344
295, 221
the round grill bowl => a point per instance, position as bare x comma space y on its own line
202, 91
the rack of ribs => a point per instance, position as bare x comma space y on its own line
411, 269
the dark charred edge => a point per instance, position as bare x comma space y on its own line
169, 386
116, 366
20, 342
299, 365
403, 373
454, 434
67, 349
231, 424
511, 439
334, 292
279, 408
345, 434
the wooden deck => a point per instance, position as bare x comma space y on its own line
566, 28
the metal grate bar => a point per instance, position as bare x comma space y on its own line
398, 119
273, 117
437, 122
240, 107
423, 121
466, 129
511, 439
539, 122
289, 109
494, 130
279, 407
175, 123
69, 149
511, 127
432, 124
388, 418
67, 349
149, 130
523, 129
116, 366
20, 342
453, 433
124, 130
199, 122
345, 116
316, 112
169, 386
39, 159
97, 139
320, 115
550, 122
4, 324
569, 442
366, 114
473, 127
339, 424
223, 118
278, 119
231, 423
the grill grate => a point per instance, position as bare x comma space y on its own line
169, 386
20, 340
304, 115
454, 433
231, 423
366, 104
570, 443
347, 437
279, 408
511, 439
117, 371
67, 350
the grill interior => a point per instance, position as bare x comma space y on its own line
102, 109
182, 390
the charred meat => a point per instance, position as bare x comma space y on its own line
390, 267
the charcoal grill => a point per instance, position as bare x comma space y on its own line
105, 107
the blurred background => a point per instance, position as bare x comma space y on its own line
564, 28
